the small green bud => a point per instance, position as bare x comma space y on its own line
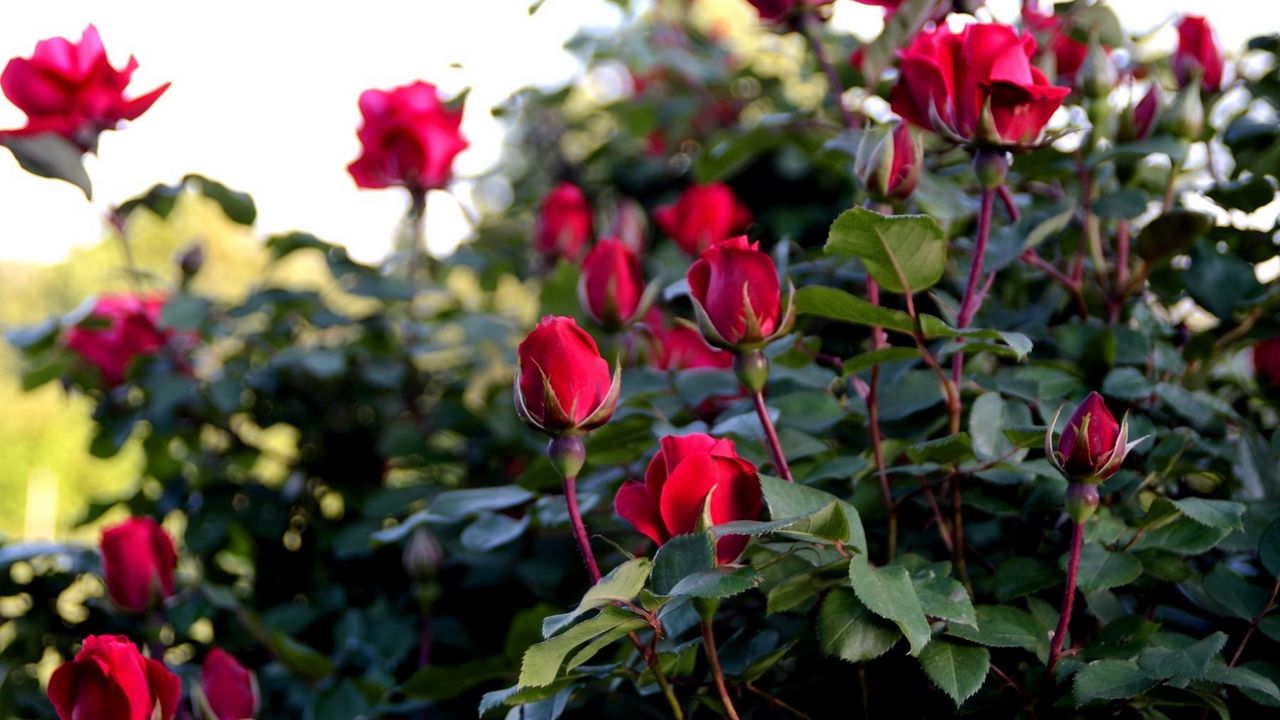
567, 454
991, 167
1082, 501
752, 369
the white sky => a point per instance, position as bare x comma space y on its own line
264, 99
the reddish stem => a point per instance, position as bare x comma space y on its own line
771, 435
873, 419
717, 673
1006, 197
580, 528
969, 304
820, 53
1069, 597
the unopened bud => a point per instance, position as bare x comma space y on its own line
190, 260
888, 162
1082, 501
1098, 73
423, 556
567, 454
1184, 117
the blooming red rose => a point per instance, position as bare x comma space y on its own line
228, 691
138, 562
132, 329
71, 89
564, 223
110, 680
676, 484
1068, 53
611, 288
408, 137
562, 384
976, 86
735, 288
703, 216
888, 162
1093, 444
778, 9
1266, 361
1197, 48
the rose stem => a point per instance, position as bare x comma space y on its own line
819, 52
873, 419
417, 231
593, 569
775, 446
717, 674
1068, 597
969, 303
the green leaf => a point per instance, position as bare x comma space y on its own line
1269, 549
1161, 512
622, 583
301, 660
1220, 282
871, 358
1003, 626
1243, 678
542, 661
949, 450
1110, 680
1020, 576
680, 557
237, 206
185, 312
904, 253
1182, 536
1220, 514
492, 530
1234, 595
958, 670
441, 682
52, 156
340, 701
1121, 204
718, 582
1188, 662
988, 417
847, 630
1126, 383
1101, 569
943, 597
888, 592
825, 515
1245, 195
1171, 233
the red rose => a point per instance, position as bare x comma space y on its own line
676, 484
1068, 53
948, 79
138, 562
562, 383
1093, 444
680, 347
1197, 48
110, 680
408, 137
778, 9
228, 691
1137, 121
132, 330
888, 162
1266, 361
72, 90
703, 216
611, 288
564, 223
736, 293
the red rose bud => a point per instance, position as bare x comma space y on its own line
563, 386
736, 296
1138, 119
1197, 49
611, 288
888, 162
674, 495
72, 90
680, 347
703, 216
976, 86
132, 330
772, 10
110, 680
408, 138
228, 691
1093, 445
1266, 361
564, 224
138, 562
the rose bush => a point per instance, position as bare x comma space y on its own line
820, 469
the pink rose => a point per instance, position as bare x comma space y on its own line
408, 138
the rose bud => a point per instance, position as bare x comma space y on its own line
72, 90
888, 162
138, 564
773, 10
1068, 53
976, 86
1093, 445
703, 216
736, 296
1197, 50
563, 386
131, 330
110, 680
408, 138
227, 690
1097, 72
564, 224
1138, 119
423, 556
611, 288
673, 496
1266, 361
680, 347
631, 225
1184, 117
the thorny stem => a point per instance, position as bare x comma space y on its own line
820, 53
717, 673
771, 435
1017, 687
1068, 597
873, 419
968, 305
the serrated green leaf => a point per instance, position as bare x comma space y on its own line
1232, 594
542, 661
680, 557
1221, 514
888, 592
1269, 549
1101, 569
944, 597
949, 450
1187, 661
904, 253
849, 631
958, 670
1110, 680
719, 582
622, 583
823, 514
1003, 626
